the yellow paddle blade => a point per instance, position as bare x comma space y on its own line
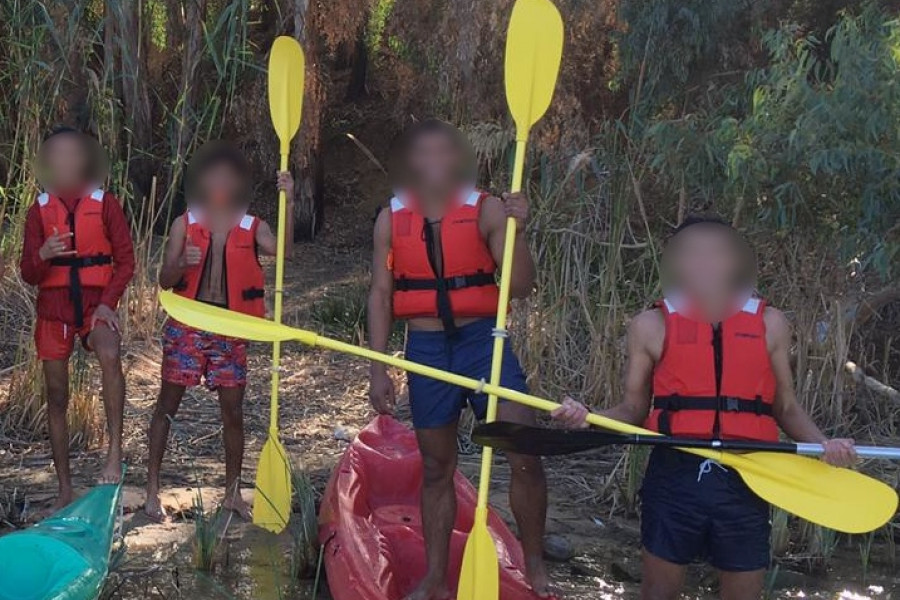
479, 577
286, 74
227, 322
272, 499
533, 52
839, 499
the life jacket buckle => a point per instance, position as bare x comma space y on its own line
732, 404
458, 282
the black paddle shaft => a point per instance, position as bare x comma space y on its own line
540, 441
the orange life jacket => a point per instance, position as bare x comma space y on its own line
244, 277
466, 287
715, 381
92, 264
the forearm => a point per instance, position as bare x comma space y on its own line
32, 267
170, 275
799, 426
380, 322
523, 271
625, 412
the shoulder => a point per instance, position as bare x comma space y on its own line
383, 224
777, 325
776, 319
491, 213
178, 224
647, 334
649, 324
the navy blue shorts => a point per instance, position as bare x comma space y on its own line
468, 352
693, 510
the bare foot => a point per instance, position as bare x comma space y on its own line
64, 499
430, 590
237, 505
153, 508
537, 577
112, 470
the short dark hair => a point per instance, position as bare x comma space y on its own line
213, 154
700, 219
403, 144
61, 130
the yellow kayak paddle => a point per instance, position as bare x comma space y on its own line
839, 499
533, 52
272, 500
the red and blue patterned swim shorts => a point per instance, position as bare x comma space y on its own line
190, 355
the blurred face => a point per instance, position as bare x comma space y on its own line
707, 262
63, 163
435, 164
220, 187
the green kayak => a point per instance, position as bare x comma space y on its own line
64, 557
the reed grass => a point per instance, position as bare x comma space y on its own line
303, 527
208, 534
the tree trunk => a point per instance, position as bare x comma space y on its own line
309, 206
194, 17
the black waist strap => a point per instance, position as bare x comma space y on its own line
404, 284
669, 404
75, 263
724, 404
80, 262
253, 293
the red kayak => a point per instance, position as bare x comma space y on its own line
371, 522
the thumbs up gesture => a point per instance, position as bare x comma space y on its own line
191, 255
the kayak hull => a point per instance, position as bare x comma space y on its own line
64, 557
370, 521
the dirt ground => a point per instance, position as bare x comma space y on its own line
323, 401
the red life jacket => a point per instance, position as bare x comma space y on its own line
466, 287
244, 277
715, 382
92, 264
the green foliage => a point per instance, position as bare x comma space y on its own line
810, 143
670, 43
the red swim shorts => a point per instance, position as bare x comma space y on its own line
191, 355
55, 340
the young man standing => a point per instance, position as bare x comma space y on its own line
212, 255
78, 252
711, 361
435, 260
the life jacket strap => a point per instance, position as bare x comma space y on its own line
405, 284
80, 262
75, 264
670, 404
253, 293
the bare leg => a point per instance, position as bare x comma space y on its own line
528, 500
231, 403
438, 448
170, 395
736, 585
56, 380
106, 344
661, 580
